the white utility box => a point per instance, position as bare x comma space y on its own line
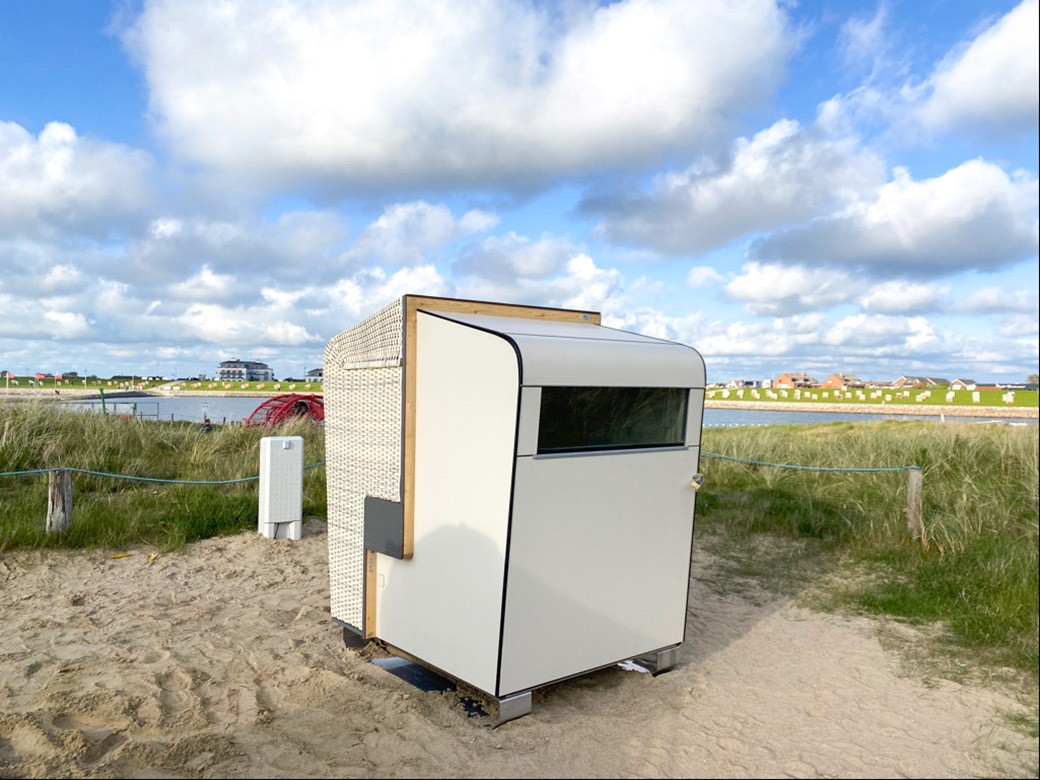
281, 487
509, 490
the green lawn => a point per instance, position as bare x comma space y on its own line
941, 396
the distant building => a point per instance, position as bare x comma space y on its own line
798, 379
920, 382
316, 375
236, 370
963, 384
842, 382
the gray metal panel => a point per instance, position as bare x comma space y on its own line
384, 526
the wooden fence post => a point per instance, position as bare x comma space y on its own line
59, 501
914, 511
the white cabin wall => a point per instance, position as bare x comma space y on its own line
599, 561
444, 605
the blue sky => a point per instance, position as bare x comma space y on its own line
785, 186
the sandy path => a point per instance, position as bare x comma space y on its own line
222, 662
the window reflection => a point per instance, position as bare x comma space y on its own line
580, 419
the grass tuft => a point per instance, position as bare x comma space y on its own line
118, 513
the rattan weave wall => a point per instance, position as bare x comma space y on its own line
363, 434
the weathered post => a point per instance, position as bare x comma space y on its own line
914, 510
59, 501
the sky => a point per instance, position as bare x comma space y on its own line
822, 186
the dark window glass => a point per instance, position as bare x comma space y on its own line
579, 419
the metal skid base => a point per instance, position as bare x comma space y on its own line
661, 661
513, 707
509, 707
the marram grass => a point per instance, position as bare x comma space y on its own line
974, 572
117, 513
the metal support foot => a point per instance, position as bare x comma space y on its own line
513, 707
666, 659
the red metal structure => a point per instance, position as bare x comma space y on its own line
283, 408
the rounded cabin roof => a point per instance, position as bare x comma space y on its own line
579, 354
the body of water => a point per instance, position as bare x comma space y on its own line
225, 410
221, 410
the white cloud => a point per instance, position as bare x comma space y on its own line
503, 258
65, 324
991, 83
577, 283
477, 221
242, 325
405, 233
784, 174
899, 296
994, 300
864, 40
369, 290
61, 179
973, 216
779, 290
701, 276
450, 92
204, 286
61, 278
1022, 328
165, 227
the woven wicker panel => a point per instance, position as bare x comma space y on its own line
363, 428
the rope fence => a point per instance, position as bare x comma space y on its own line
59, 509
143, 479
914, 486
59, 490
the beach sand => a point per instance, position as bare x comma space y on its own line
221, 661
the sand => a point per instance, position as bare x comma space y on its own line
221, 661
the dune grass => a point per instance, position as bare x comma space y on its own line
117, 513
975, 572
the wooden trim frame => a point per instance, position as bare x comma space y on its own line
412, 305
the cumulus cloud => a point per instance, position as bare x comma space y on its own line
899, 296
405, 233
579, 283
784, 174
703, 276
61, 278
293, 247
369, 290
865, 40
990, 83
205, 286
501, 258
360, 94
272, 323
973, 216
60, 179
1023, 329
65, 324
770, 289
994, 300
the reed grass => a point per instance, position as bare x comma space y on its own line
118, 513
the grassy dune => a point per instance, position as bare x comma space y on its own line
974, 574
973, 577
117, 513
